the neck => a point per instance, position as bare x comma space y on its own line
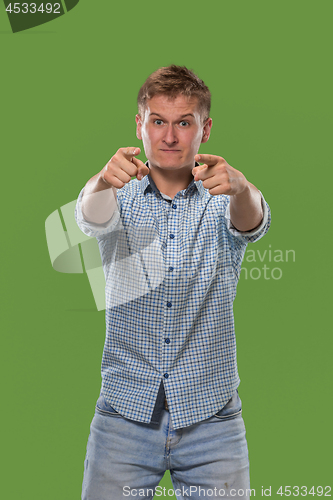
170, 182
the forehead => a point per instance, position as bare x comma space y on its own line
172, 107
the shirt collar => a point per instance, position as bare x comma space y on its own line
148, 185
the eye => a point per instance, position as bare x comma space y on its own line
184, 123
158, 122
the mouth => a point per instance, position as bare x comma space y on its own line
170, 150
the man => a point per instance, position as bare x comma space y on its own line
172, 242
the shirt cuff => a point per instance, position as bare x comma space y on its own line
255, 233
92, 228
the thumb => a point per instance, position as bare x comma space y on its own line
143, 170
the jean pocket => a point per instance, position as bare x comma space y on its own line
103, 408
232, 409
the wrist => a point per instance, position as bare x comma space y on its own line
244, 191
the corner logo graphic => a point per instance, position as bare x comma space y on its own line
71, 251
137, 265
25, 15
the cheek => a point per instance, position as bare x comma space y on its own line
145, 138
195, 140
148, 136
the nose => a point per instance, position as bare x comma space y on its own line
170, 137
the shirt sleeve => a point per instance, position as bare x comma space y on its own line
258, 232
90, 228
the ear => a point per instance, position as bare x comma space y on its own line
138, 127
206, 130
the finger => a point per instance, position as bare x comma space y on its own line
209, 160
117, 178
122, 160
143, 170
129, 152
201, 172
220, 190
198, 168
212, 182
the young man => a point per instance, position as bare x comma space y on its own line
172, 242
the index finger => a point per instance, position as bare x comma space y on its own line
129, 152
209, 160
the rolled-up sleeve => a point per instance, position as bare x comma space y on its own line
93, 229
258, 232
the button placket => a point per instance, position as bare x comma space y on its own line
172, 257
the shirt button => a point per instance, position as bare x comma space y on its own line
167, 341
172, 236
170, 268
169, 304
174, 206
166, 375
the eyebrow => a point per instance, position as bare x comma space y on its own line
180, 118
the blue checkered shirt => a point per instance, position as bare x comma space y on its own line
171, 273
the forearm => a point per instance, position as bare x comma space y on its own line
245, 209
99, 200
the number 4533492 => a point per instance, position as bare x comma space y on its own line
303, 491
31, 8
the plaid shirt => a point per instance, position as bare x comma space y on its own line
171, 273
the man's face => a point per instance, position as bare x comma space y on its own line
171, 131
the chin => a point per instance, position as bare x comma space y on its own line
165, 163
170, 165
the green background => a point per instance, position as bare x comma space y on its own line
68, 101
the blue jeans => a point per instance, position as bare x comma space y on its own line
128, 459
